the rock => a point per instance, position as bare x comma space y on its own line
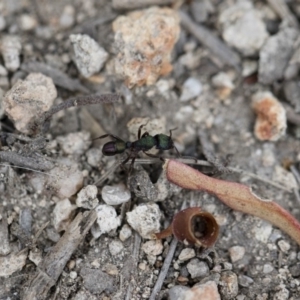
12, 263
284, 246
186, 254
236, 253
28, 99
36, 256
268, 268
87, 197
243, 28
197, 268
62, 214
191, 88
27, 22
275, 54
207, 291
284, 177
144, 40
94, 156
75, 143
2, 23
282, 294
200, 10
107, 220
271, 122
115, 195
10, 48
245, 281
67, 18
145, 219
292, 93
115, 247
153, 247
89, 57
83, 294
262, 231
223, 82
125, 233
177, 292
295, 270
228, 285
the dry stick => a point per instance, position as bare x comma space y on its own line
207, 38
43, 122
54, 262
133, 4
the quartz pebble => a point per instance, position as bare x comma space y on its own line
144, 40
28, 99
245, 281
62, 214
145, 219
107, 220
125, 233
284, 246
207, 291
271, 122
115, 195
75, 143
89, 57
191, 88
186, 254
87, 197
267, 268
197, 268
94, 156
10, 48
229, 285
236, 253
153, 247
115, 247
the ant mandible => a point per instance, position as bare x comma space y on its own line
144, 143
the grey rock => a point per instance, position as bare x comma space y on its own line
197, 268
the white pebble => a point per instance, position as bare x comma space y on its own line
145, 219
94, 156
115, 195
107, 220
75, 143
284, 246
27, 22
115, 247
67, 17
73, 274
236, 253
153, 247
89, 57
87, 197
125, 233
197, 268
186, 254
11, 50
192, 88
62, 214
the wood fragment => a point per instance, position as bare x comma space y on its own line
226, 55
51, 267
134, 4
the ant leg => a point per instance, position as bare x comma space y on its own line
140, 130
177, 152
154, 156
171, 131
106, 135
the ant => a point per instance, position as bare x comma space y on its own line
144, 143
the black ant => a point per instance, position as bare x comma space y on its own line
144, 143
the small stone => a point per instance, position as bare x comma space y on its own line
115, 195
236, 253
292, 93
67, 18
249, 67
191, 88
284, 177
268, 268
228, 285
107, 220
89, 57
207, 291
197, 268
94, 156
186, 254
3, 71
73, 274
284, 246
224, 85
153, 247
115, 247
145, 219
2, 23
10, 48
111, 269
12, 263
263, 232
271, 122
283, 294
27, 22
75, 143
295, 270
87, 197
245, 281
62, 213
125, 233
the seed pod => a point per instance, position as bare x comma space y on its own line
194, 226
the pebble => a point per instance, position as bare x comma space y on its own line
249, 67
111, 269
115, 195
245, 281
87, 197
295, 270
275, 54
263, 232
292, 93
145, 219
73, 274
191, 88
186, 254
271, 122
75, 143
107, 220
223, 82
243, 28
145, 40
197, 268
125, 233
67, 18
62, 213
27, 22
3, 71
283, 294
94, 156
207, 291
10, 48
284, 177
228, 285
177, 292
35, 256
88, 56
284, 246
115, 247
28, 99
2, 23
267, 268
153, 247
12, 263
236, 253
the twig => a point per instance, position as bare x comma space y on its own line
134, 4
207, 38
54, 262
